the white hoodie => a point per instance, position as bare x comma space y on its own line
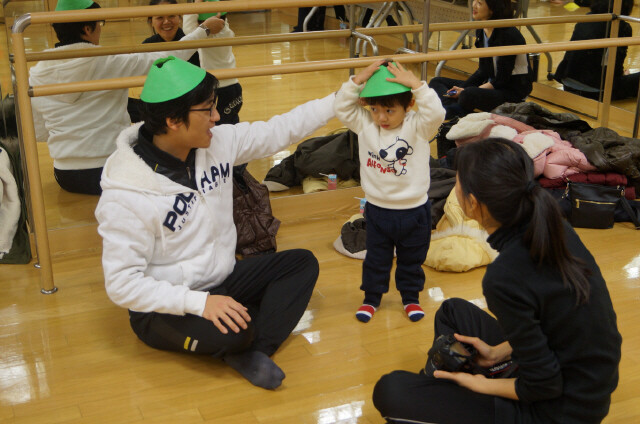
80, 128
165, 244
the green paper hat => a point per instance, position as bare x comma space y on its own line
205, 16
73, 4
378, 85
170, 78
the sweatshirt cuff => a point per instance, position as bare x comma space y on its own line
353, 85
423, 86
194, 302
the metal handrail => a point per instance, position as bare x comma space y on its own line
23, 91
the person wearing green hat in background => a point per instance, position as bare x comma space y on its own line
165, 28
165, 216
80, 128
230, 90
394, 156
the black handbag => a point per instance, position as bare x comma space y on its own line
594, 205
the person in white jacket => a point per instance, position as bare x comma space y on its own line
229, 90
394, 171
165, 216
80, 128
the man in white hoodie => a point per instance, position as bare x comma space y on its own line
166, 220
80, 128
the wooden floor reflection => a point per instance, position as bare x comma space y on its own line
71, 357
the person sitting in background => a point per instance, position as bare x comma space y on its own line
164, 28
498, 79
589, 66
316, 23
81, 128
167, 28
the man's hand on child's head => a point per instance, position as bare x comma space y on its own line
403, 76
364, 75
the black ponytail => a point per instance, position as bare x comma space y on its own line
499, 173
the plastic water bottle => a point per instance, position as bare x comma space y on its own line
343, 25
363, 202
332, 182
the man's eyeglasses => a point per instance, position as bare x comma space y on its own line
208, 109
102, 23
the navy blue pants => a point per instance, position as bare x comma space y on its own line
409, 232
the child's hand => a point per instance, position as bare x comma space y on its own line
403, 76
364, 75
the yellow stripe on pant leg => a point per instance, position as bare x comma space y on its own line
186, 343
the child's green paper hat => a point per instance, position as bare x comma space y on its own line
73, 4
378, 85
170, 78
205, 16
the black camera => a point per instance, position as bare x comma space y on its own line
448, 354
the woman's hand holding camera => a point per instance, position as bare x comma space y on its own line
488, 356
474, 382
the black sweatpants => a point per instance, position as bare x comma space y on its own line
276, 288
229, 104
471, 98
403, 396
409, 232
83, 181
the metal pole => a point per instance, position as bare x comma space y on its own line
425, 36
31, 155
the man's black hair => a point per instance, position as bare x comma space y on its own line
402, 99
155, 115
72, 32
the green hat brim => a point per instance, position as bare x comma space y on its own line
73, 4
378, 85
205, 16
170, 78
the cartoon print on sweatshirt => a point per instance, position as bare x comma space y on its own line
395, 156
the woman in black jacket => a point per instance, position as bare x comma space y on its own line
554, 321
498, 79
589, 66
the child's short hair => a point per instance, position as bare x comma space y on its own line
72, 32
402, 99
155, 115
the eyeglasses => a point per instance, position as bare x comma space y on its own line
208, 109
102, 23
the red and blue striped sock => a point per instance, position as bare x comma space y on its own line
365, 312
414, 311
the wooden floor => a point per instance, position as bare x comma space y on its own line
71, 357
